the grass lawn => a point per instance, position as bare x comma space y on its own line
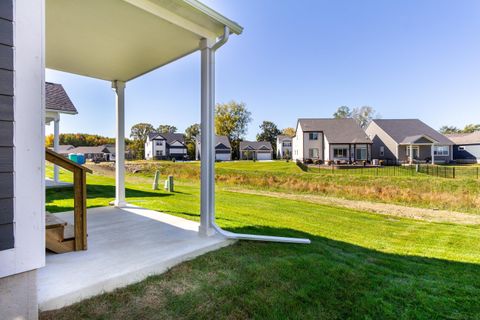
359, 265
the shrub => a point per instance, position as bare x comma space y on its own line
308, 161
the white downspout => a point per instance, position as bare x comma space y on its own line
56, 145
209, 151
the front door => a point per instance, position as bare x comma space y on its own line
415, 151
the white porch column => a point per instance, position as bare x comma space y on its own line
433, 153
119, 88
411, 153
207, 162
56, 143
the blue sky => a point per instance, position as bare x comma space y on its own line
407, 59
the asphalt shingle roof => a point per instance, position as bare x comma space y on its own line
218, 140
465, 138
404, 130
255, 145
337, 130
56, 99
169, 137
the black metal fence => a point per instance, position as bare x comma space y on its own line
450, 172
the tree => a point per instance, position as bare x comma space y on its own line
469, 128
269, 132
342, 112
364, 115
49, 140
139, 133
166, 128
449, 130
191, 133
231, 120
289, 132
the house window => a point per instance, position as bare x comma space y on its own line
441, 150
461, 148
340, 152
287, 143
361, 153
313, 136
159, 143
313, 153
415, 149
382, 151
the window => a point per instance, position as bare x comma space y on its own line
313, 136
382, 151
159, 143
340, 152
158, 153
416, 151
441, 150
287, 143
461, 148
361, 153
313, 153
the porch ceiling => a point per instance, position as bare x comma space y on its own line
123, 39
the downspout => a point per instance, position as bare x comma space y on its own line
228, 234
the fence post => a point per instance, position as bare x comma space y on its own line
453, 173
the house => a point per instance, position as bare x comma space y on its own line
57, 102
112, 153
396, 139
64, 149
94, 153
466, 147
284, 147
165, 146
330, 140
223, 149
256, 150
109, 45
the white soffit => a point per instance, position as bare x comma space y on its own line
124, 39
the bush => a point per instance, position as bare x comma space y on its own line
308, 161
318, 162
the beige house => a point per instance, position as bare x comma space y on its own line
330, 139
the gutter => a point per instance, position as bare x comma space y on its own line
242, 236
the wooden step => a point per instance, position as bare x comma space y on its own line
59, 235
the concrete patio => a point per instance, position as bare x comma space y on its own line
124, 246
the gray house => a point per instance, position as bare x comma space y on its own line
330, 140
467, 147
223, 149
396, 139
258, 150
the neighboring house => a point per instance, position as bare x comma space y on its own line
258, 150
467, 147
163, 146
330, 140
64, 149
112, 152
397, 139
57, 102
284, 147
223, 149
95, 153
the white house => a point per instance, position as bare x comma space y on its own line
256, 150
284, 147
341, 140
57, 102
104, 40
163, 146
223, 149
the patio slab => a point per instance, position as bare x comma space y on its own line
124, 246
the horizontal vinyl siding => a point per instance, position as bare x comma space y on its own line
6, 126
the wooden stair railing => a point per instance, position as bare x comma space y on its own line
65, 242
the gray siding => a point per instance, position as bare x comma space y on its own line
6, 126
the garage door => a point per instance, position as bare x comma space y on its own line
264, 156
223, 157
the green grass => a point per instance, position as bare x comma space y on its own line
359, 265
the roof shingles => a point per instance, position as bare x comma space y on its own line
56, 99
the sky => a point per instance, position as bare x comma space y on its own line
297, 59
